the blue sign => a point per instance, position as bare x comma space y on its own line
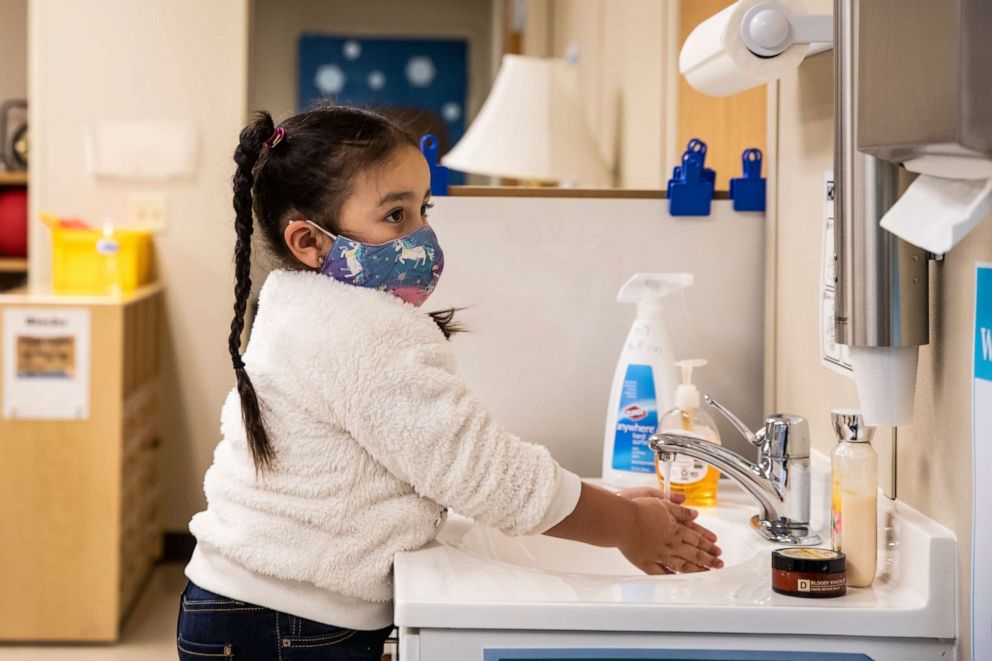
983, 324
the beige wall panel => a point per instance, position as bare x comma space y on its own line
621, 48
935, 452
634, 113
805, 152
13, 49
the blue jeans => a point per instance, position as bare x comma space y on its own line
214, 627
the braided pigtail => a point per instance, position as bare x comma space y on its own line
253, 140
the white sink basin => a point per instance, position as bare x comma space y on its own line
549, 554
475, 577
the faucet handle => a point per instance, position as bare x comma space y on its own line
786, 436
757, 440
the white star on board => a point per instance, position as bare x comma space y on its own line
377, 80
329, 79
451, 111
420, 71
352, 49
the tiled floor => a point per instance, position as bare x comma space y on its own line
149, 633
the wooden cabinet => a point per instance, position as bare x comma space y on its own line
79, 530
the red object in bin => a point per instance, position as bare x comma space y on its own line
13, 223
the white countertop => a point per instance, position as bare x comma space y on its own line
444, 586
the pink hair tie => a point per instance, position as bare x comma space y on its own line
276, 138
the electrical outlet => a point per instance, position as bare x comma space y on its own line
148, 211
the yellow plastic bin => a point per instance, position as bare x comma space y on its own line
88, 261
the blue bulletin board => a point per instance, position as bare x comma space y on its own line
423, 81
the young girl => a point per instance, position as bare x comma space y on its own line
349, 433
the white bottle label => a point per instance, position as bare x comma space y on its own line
687, 470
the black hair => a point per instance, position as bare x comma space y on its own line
306, 170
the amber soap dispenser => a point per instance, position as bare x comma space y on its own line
692, 477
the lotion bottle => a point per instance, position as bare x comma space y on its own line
854, 498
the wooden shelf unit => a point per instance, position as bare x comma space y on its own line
79, 513
19, 178
13, 265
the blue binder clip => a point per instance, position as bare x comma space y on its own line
439, 173
690, 190
748, 192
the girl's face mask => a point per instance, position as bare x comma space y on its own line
408, 267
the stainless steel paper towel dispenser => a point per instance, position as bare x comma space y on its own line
881, 307
924, 80
882, 285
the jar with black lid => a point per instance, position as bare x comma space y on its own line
809, 572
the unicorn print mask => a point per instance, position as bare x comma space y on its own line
407, 268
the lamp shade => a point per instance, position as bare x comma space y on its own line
532, 126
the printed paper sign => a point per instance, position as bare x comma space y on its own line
46, 363
835, 356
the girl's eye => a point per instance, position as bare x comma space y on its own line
395, 217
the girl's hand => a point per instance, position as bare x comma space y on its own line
656, 535
664, 539
677, 498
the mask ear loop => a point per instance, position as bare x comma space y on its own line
322, 231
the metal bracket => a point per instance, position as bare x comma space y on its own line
769, 29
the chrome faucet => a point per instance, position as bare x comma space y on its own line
780, 481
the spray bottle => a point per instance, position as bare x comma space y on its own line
692, 477
642, 384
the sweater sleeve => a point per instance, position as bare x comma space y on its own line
410, 410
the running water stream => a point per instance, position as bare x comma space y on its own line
666, 471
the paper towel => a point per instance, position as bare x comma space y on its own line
715, 61
935, 212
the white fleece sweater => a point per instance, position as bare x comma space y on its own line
374, 435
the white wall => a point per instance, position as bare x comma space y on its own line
153, 59
540, 278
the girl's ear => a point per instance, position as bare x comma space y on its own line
307, 244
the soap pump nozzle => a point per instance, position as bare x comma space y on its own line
687, 395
